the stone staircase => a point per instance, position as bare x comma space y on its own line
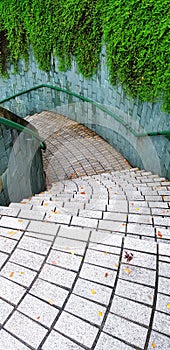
85, 265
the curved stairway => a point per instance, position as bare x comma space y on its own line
85, 265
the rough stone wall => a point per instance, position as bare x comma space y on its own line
21, 167
151, 153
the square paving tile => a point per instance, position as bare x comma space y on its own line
126, 330
98, 274
56, 341
6, 309
18, 274
67, 260
38, 310
34, 245
85, 309
161, 341
80, 331
14, 223
5, 291
26, 329
49, 292
26, 258
8, 342
131, 310
106, 342
58, 276
93, 291
74, 233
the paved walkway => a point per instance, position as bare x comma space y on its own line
73, 150
85, 265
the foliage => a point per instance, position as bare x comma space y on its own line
136, 34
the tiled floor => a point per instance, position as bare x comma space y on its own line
86, 264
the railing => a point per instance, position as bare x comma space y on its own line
122, 122
19, 127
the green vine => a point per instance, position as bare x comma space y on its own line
135, 32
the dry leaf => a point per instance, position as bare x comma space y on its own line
127, 270
93, 291
128, 256
54, 262
168, 306
106, 274
38, 317
159, 234
50, 301
20, 220
100, 313
83, 192
153, 345
11, 232
116, 265
136, 208
11, 274
22, 273
45, 204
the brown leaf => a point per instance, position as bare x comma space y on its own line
159, 234
106, 274
128, 256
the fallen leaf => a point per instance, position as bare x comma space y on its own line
127, 270
83, 192
123, 224
128, 256
23, 202
50, 301
93, 291
20, 220
38, 317
100, 313
71, 176
159, 234
11, 232
116, 265
106, 274
57, 212
105, 253
153, 345
22, 273
11, 274
45, 204
136, 208
168, 306
54, 262
72, 252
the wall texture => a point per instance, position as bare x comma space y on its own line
150, 153
21, 167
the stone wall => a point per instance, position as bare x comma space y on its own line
151, 153
21, 167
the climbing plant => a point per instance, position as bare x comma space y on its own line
135, 32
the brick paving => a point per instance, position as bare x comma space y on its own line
86, 264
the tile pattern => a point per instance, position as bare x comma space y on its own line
94, 277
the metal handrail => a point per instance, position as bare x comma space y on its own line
14, 125
86, 99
